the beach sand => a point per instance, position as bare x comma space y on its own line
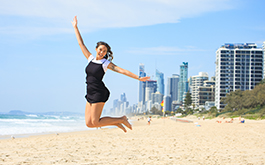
165, 141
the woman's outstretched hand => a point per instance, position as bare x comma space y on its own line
144, 78
74, 22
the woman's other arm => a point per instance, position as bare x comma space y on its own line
79, 39
115, 68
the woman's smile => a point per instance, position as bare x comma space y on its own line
101, 52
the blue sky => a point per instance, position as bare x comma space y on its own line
42, 66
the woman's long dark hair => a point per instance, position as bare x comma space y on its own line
109, 55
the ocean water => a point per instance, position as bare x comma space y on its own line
27, 124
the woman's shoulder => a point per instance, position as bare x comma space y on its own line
105, 65
90, 58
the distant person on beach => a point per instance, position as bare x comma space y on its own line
231, 121
97, 93
149, 120
242, 121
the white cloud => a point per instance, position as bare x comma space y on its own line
164, 50
96, 14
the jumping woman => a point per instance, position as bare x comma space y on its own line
97, 93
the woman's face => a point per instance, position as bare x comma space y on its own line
101, 52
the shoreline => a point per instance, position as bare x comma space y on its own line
26, 135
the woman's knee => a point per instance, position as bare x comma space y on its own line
89, 124
95, 122
92, 123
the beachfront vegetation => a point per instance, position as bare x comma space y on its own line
155, 111
252, 113
248, 99
249, 104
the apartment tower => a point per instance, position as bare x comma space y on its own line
238, 67
196, 82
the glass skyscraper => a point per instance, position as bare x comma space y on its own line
167, 103
141, 84
123, 97
150, 87
183, 81
160, 82
172, 87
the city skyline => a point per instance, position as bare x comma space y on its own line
238, 66
42, 66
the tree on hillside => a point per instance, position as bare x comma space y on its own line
238, 99
259, 92
249, 99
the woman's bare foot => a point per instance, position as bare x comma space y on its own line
121, 127
126, 122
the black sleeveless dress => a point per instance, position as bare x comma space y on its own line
96, 89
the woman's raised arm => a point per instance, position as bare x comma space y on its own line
115, 68
79, 39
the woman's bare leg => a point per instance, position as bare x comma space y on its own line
93, 113
87, 114
121, 127
113, 120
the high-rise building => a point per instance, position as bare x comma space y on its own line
172, 87
123, 106
141, 84
157, 97
119, 106
206, 93
116, 106
160, 82
167, 103
183, 81
238, 66
209, 83
123, 97
196, 82
151, 86
190, 83
115, 103
263, 59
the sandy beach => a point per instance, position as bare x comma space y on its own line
165, 141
